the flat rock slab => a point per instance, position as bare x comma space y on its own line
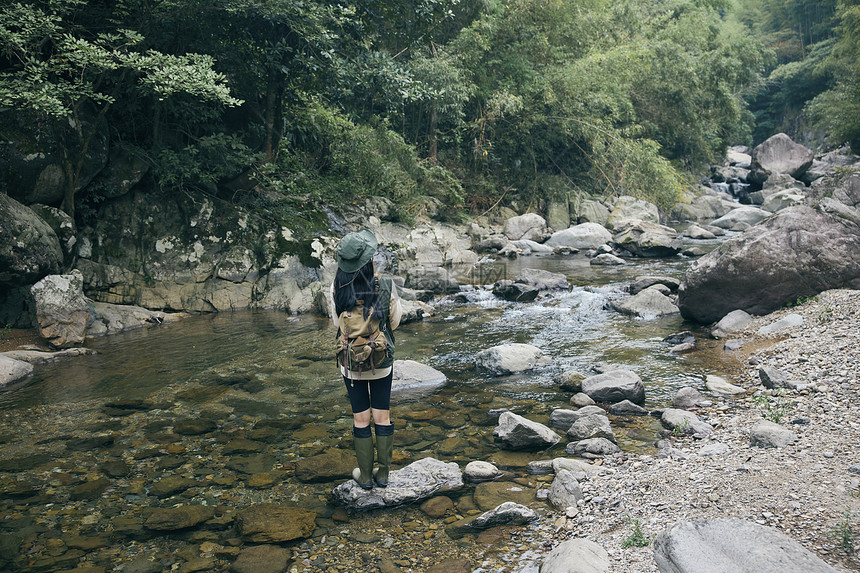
275, 523
411, 377
736, 545
576, 556
12, 369
419, 480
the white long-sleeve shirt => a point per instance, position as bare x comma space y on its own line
395, 312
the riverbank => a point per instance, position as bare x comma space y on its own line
809, 490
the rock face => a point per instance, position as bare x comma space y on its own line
509, 359
584, 236
515, 432
742, 216
615, 386
627, 207
29, 247
737, 545
647, 239
433, 279
797, 252
576, 556
62, 311
419, 480
779, 154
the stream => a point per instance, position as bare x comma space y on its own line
267, 380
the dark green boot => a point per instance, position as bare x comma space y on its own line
384, 447
363, 443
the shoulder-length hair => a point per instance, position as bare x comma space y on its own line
358, 288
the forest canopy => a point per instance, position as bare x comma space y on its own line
285, 103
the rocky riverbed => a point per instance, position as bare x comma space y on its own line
139, 486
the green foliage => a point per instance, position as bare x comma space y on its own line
636, 538
775, 407
843, 533
4, 333
801, 300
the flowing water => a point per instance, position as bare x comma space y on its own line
270, 376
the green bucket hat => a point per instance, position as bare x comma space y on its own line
355, 250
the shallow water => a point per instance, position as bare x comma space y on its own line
265, 392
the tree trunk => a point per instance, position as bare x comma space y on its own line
433, 142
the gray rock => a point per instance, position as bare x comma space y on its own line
627, 408
515, 432
713, 449
62, 311
176, 518
642, 283
607, 260
507, 359
596, 446
732, 322
697, 233
564, 491
721, 386
779, 154
581, 400
418, 480
576, 556
530, 226
29, 247
767, 434
514, 291
508, 513
649, 303
558, 214
646, 239
594, 426
736, 545
433, 279
575, 466
758, 271
411, 377
529, 247
742, 215
544, 280
783, 199
562, 419
684, 422
687, 398
570, 381
628, 208
591, 211
734, 344
583, 237
773, 378
478, 471
615, 386
784, 323
703, 208
12, 370
855, 469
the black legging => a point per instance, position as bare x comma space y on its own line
365, 394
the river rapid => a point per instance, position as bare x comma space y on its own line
220, 400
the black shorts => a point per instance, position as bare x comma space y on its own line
364, 394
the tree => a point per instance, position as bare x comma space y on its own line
57, 70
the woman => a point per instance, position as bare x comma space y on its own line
366, 306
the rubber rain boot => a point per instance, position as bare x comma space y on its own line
384, 447
363, 444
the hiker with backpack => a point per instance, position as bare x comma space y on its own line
365, 310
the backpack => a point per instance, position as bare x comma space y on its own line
361, 342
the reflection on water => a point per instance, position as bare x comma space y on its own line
287, 365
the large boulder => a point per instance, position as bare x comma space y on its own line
615, 386
649, 303
799, 251
564, 491
62, 311
779, 154
515, 432
705, 207
419, 480
588, 427
576, 556
744, 216
29, 247
647, 239
627, 207
434, 279
591, 211
583, 236
736, 545
507, 359
529, 226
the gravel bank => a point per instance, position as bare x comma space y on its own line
804, 490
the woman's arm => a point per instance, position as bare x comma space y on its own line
395, 309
